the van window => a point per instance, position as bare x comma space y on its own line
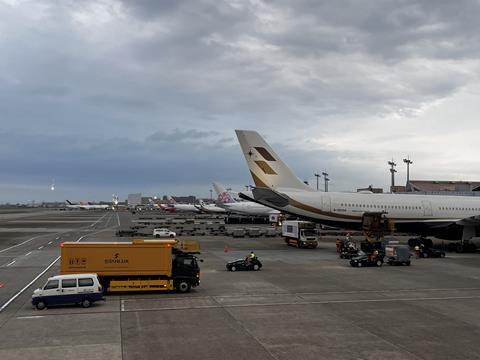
69, 283
289, 228
52, 284
85, 282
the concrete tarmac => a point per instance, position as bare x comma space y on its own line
303, 304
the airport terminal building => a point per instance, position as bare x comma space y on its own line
432, 187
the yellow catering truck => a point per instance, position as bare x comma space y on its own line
139, 265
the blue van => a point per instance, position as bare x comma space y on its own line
83, 289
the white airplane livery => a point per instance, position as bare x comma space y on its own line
210, 208
251, 208
87, 206
448, 217
174, 206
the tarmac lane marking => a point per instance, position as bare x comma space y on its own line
11, 263
28, 253
9, 301
31, 317
40, 248
285, 303
98, 220
26, 241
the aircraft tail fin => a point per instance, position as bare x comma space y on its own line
68, 202
223, 196
266, 167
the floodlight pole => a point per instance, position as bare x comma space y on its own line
408, 162
317, 176
392, 171
325, 175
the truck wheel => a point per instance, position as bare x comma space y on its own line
183, 287
157, 236
233, 268
41, 305
379, 263
256, 267
172, 236
86, 303
442, 255
359, 264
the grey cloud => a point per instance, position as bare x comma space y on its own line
166, 82
180, 136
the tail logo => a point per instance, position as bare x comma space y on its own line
265, 154
265, 167
225, 198
262, 151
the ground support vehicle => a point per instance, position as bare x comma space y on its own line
431, 253
302, 234
347, 249
398, 254
244, 265
163, 232
348, 253
367, 260
140, 265
464, 246
83, 289
419, 241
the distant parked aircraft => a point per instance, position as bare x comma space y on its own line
226, 200
87, 206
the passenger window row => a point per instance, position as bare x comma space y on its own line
382, 207
458, 209
69, 283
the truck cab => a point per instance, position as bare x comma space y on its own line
185, 271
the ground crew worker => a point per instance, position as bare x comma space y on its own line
251, 257
339, 245
423, 250
417, 251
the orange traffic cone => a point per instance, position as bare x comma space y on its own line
225, 249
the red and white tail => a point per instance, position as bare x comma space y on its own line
223, 196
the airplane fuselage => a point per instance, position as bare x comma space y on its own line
408, 212
249, 208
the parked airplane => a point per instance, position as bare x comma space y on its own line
226, 200
447, 217
210, 208
87, 206
175, 207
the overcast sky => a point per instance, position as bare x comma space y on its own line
144, 96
